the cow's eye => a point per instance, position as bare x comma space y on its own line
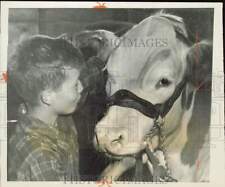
164, 82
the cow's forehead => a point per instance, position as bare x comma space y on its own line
144, 41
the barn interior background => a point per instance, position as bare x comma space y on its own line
54, 22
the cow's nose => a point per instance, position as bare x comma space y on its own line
117, 139
100, 133
109, 136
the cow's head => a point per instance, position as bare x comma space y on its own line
150, 61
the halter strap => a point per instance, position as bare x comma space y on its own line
125, 98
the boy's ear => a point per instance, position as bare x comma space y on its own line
199, 59
46, 97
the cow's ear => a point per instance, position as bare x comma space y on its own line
89, 42
199, 60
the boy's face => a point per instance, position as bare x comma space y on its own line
66, 98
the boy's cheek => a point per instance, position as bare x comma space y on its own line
67, 106
64, 108
66, 101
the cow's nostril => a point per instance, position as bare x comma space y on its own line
119, 139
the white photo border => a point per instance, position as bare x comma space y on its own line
217, 156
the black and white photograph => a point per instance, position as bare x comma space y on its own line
112, 95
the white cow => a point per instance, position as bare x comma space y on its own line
151, 61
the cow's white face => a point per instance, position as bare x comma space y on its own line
150, 72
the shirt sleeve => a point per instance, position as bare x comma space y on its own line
44, 166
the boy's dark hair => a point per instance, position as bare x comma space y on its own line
39, 63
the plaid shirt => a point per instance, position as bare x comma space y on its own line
40, 152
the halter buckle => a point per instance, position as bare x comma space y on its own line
159, 121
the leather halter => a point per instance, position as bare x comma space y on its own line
125, 98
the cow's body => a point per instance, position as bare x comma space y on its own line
140, 70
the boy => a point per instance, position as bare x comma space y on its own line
45, 72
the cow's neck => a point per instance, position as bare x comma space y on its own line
176, 142
175, 128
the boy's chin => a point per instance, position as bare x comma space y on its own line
68, 111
